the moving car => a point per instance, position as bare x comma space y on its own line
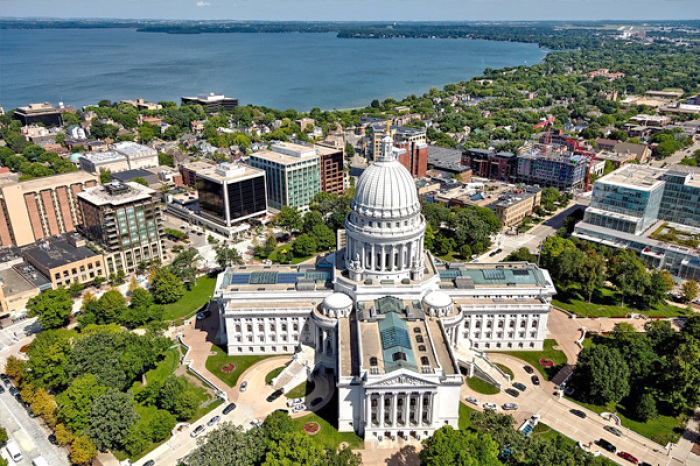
613, 430
627, 456
213, 420
519, 386
535, 380
229, 408
513, 393
472, 400
602, 443
198, 430
493, 406
529, 369
244, 385
510, 406
578, 412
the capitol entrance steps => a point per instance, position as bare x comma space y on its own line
297, 371
478, 365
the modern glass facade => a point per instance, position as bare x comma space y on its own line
681, 200
624, 208
290, 184
228, 201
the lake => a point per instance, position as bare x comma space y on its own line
300, 71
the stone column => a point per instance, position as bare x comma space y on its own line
382, 258
421, 408
395, 410
368, 410
372, 259
381, 410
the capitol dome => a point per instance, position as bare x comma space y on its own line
386, 190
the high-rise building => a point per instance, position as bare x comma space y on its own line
649, 210
488, 163
38, 208
124, 220
413, 141
230, 193
293, 174
332, 173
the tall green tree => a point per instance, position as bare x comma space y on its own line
184, 266
304, 245
75, 403
448, 446
166, 287
53, 307
229, 445
602, 374
111, 416
627, 272
689, 291
226, 256
49, 356
289, 218
591, 273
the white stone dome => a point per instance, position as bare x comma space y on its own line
337, 301
386, 190
437, 299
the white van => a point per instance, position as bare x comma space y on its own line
40, 461
14, 451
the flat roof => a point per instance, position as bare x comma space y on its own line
129, 175
133, 149
228, 172
288, 153
474, 274
14, 283
57, 253
107, 156
99, 195
50, 182
512, 198
639, 177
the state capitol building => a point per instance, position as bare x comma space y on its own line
392, 324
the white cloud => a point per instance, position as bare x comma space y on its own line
201, 3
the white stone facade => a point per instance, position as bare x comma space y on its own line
384, 316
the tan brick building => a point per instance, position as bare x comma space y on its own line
39, 208
512, 208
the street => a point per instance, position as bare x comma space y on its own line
30, 434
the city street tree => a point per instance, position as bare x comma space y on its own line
82, 451
311, 219
76, 401
343, 457
645, 407
294, 448
63, 435
303, 246
167, 288
689, 291
111, 416
627, 272
226, 256
521, 255
289, 218
48, 358
602, 374
229, 445
15, 369
44, 405
661, 283
53, 307
448, 446
349, 150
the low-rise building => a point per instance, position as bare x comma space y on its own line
43, 113
553, 166
488, 163
512, 207
138, 155
97, 162
65, 260
211, 101
142, 104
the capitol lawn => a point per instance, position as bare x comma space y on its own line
606, 303
217, 360
192, 301
533, 358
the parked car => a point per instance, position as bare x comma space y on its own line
213, 420
229, 408
578, 412
4, 378
244, 385
510, 406
519, 386
604, 444
274, 395
149, 463
201, 315
14, 391
472, 400
2, 389
198, 430
316, 401
529, 369
627, 456
52, 440
512, 392
298, 400
493, 406
613, 430
535, 380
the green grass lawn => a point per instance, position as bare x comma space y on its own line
533, 357
242, 364
272, 374
607, 304
192, 301
661, 430
464, 413
300, 391
479, 386
329, 436
273, 256
506, 370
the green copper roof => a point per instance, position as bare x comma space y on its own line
396, 343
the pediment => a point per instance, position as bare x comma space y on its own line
401, 380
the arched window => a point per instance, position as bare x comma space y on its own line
424, 361
373, 362
421, 348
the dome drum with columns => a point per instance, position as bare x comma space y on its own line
385, 227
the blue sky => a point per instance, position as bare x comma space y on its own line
364, 10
